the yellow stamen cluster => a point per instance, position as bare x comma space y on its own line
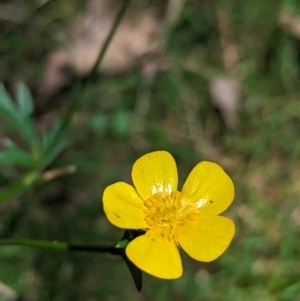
164, 211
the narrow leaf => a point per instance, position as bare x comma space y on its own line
7, 108
24, 99
22, 123
15, 157
5, 100
54, 141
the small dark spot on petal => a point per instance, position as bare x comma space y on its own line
211, 201
116, 215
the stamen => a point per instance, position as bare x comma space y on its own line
164, 212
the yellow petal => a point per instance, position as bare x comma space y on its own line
207, 239
155, 172
123, 206
154, 256
209, 187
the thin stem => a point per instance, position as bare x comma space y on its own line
81, 85
61, 246
114, 27
53, 245
94, 248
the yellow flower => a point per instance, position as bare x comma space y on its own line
188, 219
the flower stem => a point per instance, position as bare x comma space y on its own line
51, 245
61, 246
94, 248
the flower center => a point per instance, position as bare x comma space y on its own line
164, 212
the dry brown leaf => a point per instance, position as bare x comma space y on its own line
225, 92
134, 38
290, 23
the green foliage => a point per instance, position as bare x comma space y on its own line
39, 152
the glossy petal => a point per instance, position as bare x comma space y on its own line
123, 206
155, 172
154, 256
207, 239
209, 187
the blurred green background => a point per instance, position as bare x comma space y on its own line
204, 80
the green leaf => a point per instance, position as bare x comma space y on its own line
54, 141
5, 100
24, 99
54, 152
23, 124
15, 157
8, 109
25, 102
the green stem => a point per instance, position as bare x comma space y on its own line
93, 71
114, 27
61, 246
54, 245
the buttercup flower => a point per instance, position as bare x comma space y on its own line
172, 219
